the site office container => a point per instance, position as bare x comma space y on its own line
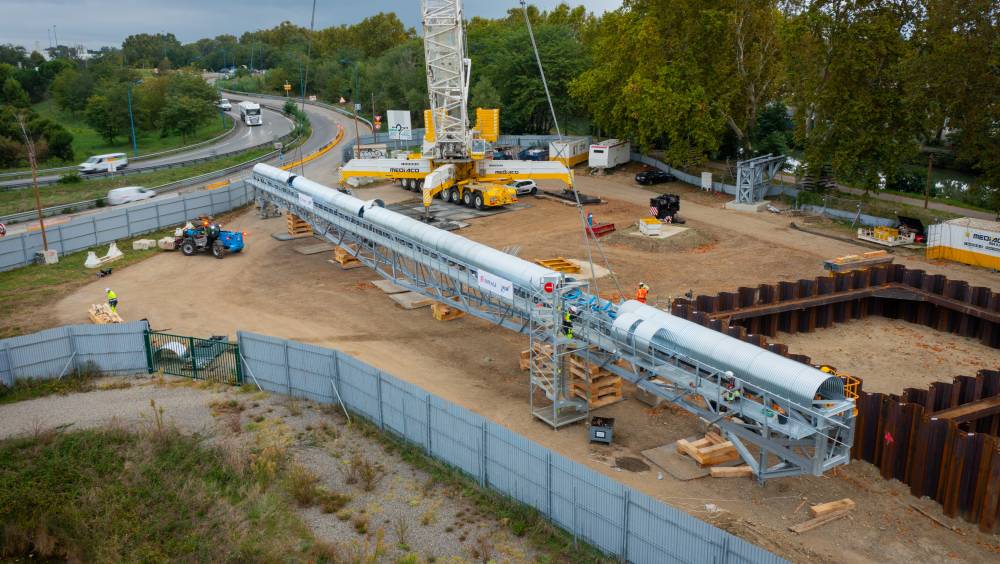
609, 153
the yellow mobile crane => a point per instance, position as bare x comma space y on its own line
455, 161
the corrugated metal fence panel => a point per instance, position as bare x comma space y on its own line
311, 371
517, 467
588, 503
359, 386
457, 436
865, 219
265, 360
6, 372
660, 533
405, 409
117, 348
39, 355
101, 228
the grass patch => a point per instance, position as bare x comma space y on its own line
556, 544
74, 382
13, 201
87, 142
110, 495
28, 293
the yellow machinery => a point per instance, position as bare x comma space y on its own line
852, 384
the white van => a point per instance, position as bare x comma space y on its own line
104, 163
128, 194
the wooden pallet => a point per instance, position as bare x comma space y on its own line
297, 227
101, 314
559, 264
709, 451
599, 386
443, 312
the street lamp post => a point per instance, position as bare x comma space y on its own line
131, 122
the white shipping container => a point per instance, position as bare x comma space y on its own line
967, 240
609, 153
571, 151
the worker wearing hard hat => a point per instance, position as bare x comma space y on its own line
112, 299
640, 294
569, 315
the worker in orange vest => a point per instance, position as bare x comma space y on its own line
640, 294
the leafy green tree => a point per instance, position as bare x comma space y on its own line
107, 110
11, 54
185, 114
14, 95
846, 70
71, 88
484, 95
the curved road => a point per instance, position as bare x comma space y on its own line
274, 127
323, 169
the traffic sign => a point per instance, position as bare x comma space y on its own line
378, 125
357, 107
287, 87
342, 100
378, 118
3, 230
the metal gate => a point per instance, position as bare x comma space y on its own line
215, 359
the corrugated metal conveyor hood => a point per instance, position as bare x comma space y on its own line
770, 371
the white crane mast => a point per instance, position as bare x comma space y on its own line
447, 77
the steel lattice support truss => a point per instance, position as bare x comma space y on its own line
447, 76
776, 436
754, 175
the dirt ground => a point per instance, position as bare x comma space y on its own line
274, 290
904, 355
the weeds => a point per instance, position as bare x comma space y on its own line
361, 551
332, 502
360, 524
81, 381
302, 485
483, 549
402, 527
361, 470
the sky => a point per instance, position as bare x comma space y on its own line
95, 23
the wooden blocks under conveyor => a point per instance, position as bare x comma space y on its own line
709, 451
344, 255
600, 387
297, 227
101, 314
559, 265
443, 312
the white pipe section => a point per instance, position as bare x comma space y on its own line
519, 271
770, 371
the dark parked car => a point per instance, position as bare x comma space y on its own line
534, 154
654, 177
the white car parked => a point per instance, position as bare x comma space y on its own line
128, 194
524, 187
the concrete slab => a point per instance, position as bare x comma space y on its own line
284, 236
677, 465
666, 231
755, 207
585, 272
314, 249
388, 287
411, 300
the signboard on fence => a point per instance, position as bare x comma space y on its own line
399, 125
379, 151
706, 181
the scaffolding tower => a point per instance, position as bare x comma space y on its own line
754, 176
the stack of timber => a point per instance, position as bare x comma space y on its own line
344, 255
559, 264
823, 513
101, 314
710, 450
588, 381
297, 227
857, 262
444, 312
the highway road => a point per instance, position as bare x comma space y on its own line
324, 124
274, 127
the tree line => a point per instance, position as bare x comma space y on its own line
24, 80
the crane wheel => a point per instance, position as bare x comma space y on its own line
454, 196
478, 201
467, 198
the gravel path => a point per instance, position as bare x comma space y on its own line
182, 405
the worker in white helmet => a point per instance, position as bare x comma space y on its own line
641, 293
112, 299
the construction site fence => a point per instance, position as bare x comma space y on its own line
607, 514
846, 215
86, 231
55, 353
695, 180
615, 518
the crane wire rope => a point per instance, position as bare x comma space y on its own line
576, 194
